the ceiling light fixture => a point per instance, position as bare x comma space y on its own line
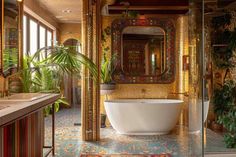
19, 0
66, 11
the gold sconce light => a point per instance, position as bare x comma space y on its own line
185, 62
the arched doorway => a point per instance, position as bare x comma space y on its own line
72, 84
73, 43
72, 89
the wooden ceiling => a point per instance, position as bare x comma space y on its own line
65, 11
155, 2
225, 3
150, 6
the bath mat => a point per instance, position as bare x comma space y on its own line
127, 155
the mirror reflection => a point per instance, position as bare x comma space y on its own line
10, 36
144, 50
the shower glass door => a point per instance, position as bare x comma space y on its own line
220, 77
196, 81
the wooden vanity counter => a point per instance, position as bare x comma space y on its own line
22, 126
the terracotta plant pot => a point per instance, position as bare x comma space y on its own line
216, 127
103, 120
107, 88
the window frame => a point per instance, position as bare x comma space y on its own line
39, 23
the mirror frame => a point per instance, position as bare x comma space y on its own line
20, 37
167, 25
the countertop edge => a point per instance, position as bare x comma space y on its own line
30, 108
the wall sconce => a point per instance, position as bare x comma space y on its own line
185, 62
142, 17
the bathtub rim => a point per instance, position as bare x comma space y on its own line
148, 101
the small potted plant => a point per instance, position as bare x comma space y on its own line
108, 85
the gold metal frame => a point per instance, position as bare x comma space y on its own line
20, 36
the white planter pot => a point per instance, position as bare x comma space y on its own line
107, 88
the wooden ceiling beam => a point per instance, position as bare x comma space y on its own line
174, 8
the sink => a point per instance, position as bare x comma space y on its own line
3, 107
24, 97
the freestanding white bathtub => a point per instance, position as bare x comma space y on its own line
143, 116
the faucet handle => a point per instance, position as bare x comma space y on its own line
143, 90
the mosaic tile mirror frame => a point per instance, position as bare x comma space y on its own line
121, 75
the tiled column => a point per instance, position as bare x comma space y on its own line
181, 74
91, 25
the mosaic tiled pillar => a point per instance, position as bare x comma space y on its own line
23, 137
90, 88
181, 73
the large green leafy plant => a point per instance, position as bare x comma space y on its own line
223, 41
225, 109
107, 68
45, 75
108, 62
223, 54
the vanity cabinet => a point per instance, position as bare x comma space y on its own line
23, 137
22, 125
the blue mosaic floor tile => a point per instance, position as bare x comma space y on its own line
178, 143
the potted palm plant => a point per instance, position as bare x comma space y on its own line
108, 66
46, 75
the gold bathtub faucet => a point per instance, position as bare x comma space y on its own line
180, 93
143, 91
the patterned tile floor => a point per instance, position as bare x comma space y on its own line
179, 143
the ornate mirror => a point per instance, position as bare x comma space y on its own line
10, 36
146, 50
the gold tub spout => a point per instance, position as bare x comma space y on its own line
180, 93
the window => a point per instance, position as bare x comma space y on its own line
49, 38
42, 37
33, 37
36, 35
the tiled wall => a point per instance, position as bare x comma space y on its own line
156, 90
68, 31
